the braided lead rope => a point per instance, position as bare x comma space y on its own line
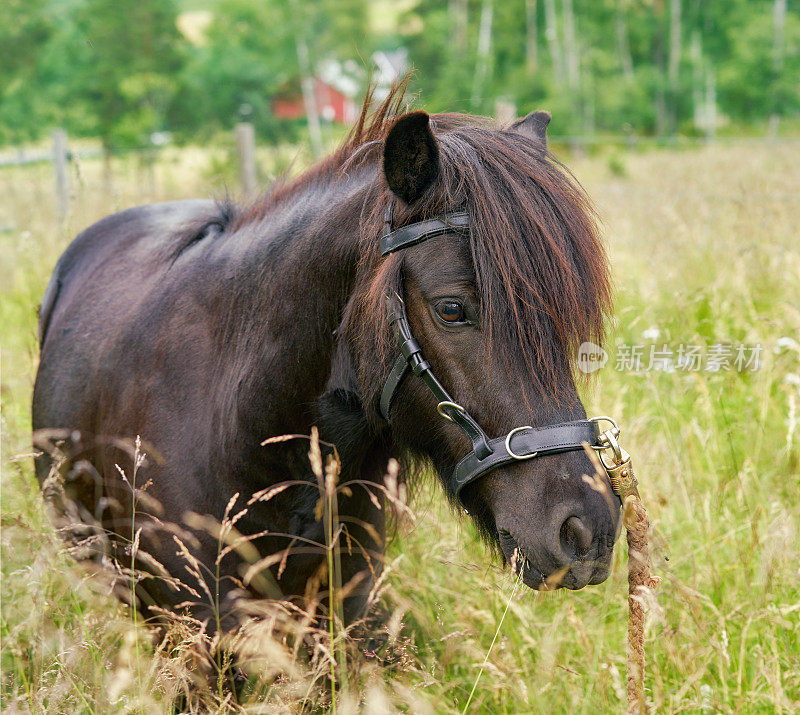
637, 526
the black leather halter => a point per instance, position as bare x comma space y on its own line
521, 443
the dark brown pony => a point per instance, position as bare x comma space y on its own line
207, 328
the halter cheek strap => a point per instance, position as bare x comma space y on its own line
521, 443
411, 358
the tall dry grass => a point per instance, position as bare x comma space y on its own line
706, 252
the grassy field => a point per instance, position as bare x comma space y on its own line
706, 253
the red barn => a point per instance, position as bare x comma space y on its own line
332, 104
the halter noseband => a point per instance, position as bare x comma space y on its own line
521, 443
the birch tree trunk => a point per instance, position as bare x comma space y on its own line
531, 38
623, 44
711, 104
551, 32
674, 40
484, 51
309, 95
778, 23
674, 64
696, 53
570, 47
659, 102
306, 79
457, 9
572, 61
588, 108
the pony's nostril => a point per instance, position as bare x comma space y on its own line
576, 538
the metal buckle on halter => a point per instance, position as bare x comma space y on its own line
618, 463
508, 444
453, 405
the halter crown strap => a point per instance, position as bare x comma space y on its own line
415, 233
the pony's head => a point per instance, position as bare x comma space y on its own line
499, 311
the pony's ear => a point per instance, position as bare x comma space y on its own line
534, 126
410, 156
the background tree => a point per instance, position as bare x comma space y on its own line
251, 52
124, 57
25, 30
121, 69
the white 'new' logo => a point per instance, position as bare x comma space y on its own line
591, 357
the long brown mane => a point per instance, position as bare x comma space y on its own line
541, 268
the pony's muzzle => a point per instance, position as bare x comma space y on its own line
572, 552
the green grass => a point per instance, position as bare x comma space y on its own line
705, 249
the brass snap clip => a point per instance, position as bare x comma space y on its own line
616, 460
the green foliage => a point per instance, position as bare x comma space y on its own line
98, 67
25, 28
121, 70
234, 74
621, 58
250, 54
761, 82
131, 52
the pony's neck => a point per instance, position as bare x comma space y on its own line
294, 272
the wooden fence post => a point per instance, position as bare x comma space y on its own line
246, 146
60, 160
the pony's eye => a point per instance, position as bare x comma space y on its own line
450, 311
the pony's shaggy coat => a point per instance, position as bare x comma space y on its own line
207, 328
